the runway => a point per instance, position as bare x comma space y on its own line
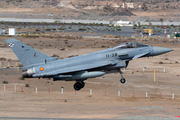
121, 118
29, 118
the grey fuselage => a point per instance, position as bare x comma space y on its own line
79, 68
117, 57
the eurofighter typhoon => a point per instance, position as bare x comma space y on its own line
80, 68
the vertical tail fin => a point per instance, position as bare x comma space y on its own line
26, 54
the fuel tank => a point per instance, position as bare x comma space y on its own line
79, 75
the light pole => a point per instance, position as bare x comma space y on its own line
139, 12
165, 22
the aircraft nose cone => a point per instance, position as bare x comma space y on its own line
161, 50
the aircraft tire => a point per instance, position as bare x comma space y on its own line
77, 86
82, 84
123, 81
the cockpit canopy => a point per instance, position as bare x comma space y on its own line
131, 44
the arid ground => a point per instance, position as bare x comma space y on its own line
104, 103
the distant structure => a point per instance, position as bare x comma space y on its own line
128, 5
12, 31
123, 5
123, 23
116, 6
2, 31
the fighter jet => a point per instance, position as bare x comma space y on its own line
80, 68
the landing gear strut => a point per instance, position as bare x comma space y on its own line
122, 80
78, 85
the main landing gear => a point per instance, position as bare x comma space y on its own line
78, 85
122, 80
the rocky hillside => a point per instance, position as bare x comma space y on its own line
93, 4
83, 9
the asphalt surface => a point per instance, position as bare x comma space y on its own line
29, 118
120, 118
149, 118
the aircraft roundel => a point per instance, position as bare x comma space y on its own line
41, 68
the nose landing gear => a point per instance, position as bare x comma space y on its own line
122, 80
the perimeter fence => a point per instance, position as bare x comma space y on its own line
133, 93
15, 88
